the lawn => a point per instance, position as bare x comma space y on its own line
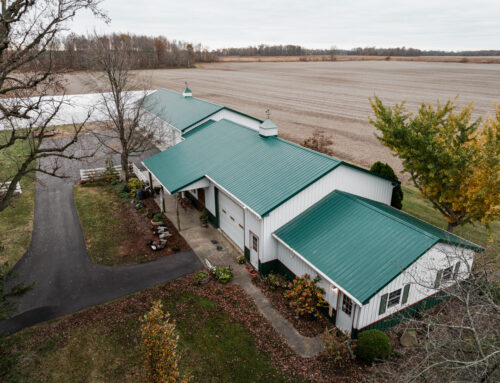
419, 207
16, 222
102, 344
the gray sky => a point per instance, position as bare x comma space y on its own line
424, 24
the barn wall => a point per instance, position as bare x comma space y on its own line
421, 276
342, 178
231, 116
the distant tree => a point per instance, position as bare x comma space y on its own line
386, 171
453, 161
160, 346
319, 142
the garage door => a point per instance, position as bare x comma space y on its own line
231, 219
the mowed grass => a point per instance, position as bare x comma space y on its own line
421, 208
16, 221
103, 226
212, 347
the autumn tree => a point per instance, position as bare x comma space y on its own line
319, 142
453, 160
160, 346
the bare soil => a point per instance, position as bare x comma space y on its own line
332, 96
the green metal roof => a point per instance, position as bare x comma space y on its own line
262, 172
179, 111
360, 244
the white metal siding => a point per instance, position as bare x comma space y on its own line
232, 219
231, 116
420, 275
342, 178
210, 199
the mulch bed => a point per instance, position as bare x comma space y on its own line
230, 298
306, 327
134, 248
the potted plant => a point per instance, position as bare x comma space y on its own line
201, 278
157, 219
253, 273
204, 218
241, 259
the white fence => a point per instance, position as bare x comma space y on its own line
140, 174
5, 186
98, 173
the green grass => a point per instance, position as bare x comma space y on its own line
212, 347
421, 208
16, 221
104, 228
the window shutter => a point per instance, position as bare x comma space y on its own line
455, 272
383, 304
437, 282
406, 291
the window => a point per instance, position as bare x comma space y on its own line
254, 242
346, 305
447, 274
394, 298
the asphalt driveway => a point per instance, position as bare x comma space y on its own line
65, 279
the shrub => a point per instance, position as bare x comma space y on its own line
319, 142
305, 296
223, 274
373, 345
199, 277
274, 281
158, 217
336, 348
386, 171
124, 195
133, 185
175, 248
160, 345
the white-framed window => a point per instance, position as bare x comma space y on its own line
394, 298
254, 242
346, 304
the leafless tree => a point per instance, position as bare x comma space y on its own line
460, 338
28, 32
319, 142
131, 129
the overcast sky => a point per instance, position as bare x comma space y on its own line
424, 24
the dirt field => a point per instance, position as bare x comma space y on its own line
329, 95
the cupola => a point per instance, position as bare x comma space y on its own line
268, 128
187, 92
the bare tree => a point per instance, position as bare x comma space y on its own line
28, 32
130, 129
319, 142
460, 339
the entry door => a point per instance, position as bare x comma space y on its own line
231, 219
201, 199
345, 311
253, 244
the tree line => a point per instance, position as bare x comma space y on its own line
73, 52
297, 50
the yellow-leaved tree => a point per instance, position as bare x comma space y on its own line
453, 160
160, 346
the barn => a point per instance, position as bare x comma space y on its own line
293, 211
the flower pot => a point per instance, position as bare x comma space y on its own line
253, 273
154, 223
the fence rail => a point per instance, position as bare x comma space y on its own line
5, 186
139, 173
98, 173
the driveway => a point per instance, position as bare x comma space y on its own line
65, 279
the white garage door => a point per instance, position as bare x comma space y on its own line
231, 219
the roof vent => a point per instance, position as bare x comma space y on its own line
268, 128
187, 92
